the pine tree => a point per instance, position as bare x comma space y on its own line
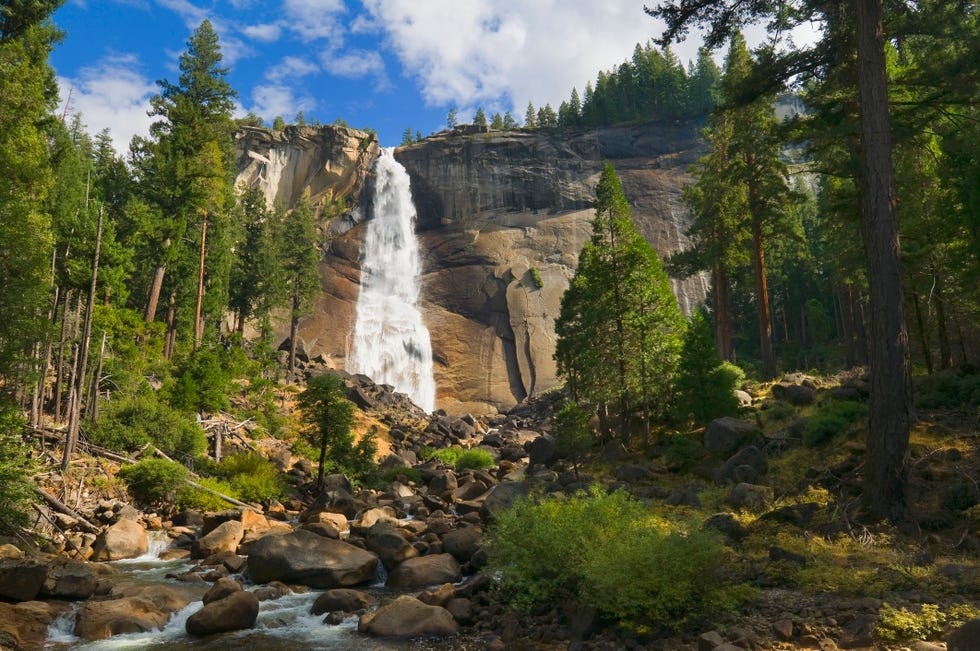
300, 258
329, 417
619, 327
530, 117
510, 124
497, 122
480, 118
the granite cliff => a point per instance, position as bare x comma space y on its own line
502, 217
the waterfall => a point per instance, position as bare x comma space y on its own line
391, 344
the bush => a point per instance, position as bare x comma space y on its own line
897, 625
572, 432
950, 389
607, 552
132, 422
832, 419
683, 452
474, 459
153, 481
201, 383
16, 488
705, 386
392, 474
253, 477
448, 456
189, 497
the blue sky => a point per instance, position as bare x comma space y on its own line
384, 64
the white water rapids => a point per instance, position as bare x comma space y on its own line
391, 343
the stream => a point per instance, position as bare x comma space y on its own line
284, 624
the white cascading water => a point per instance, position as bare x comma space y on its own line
391, 344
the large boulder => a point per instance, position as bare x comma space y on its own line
234, 612
222, 588
389, 543
223, 538
463, 542
746, 465
795, 394
408, 617
750, 496
125, 539
20, 579
425, 570
25, 625
725, 435
965, 638
343, 600
131, 608
308, 559
502, 497
71, 579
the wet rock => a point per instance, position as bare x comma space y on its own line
341, 600
425, 570
234, 612
24, 626
221, 589
408, 617
125, 539
223, 538
70, 579
134, 609
271, 591
306, 558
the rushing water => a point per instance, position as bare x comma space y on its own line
284, 624
391, 343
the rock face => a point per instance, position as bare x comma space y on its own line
497, 213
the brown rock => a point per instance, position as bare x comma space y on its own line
221, 589
965, 638
223, 538
425, 570
25, 625
235, 612
131, 608
125, 539
21, 579
306, 558
408, 617
341, 600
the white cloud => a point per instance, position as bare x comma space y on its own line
113, 94
273, 100
267, 33
290, 68
354, 63
313, 20
507, 52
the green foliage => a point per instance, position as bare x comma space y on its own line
572, 431
201, 383
393, 473
705, 386
898, 625
683, 452
618, 332
605, 551
448, 456
153, 481
253, 477
16, 488
950, 389
189, 497
832, 419
329, 417
129, 423
474, 459
536, 277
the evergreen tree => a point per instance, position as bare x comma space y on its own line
329, 417
480, 118
278, 124
452, 118
407, 137
530, 117
618, 332
300, 257
510, 124
705, 387
497, 122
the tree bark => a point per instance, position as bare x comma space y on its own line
945, 352
198, 324
79, 384
891, 412
723, 319
156, 287
762, 301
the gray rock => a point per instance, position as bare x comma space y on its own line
21, 579
541, 450
421, 571
502, 496
463, 542
965, 638
796, 394
749, 456
389, 543
750, 496
125, 539
725, 435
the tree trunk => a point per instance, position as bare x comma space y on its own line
79, 384
59, 371
923, 340
198, 324
723, 318
945, 352
171, 335
762, 301
293, 327
92, 404
891, 411
156, 287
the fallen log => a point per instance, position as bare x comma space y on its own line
58, 505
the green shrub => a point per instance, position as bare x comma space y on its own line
448, 456
536, 277
832, 419
704, 385
778, 411
254, 478
392, 474
153, 481
683, 452
16, 488
897, 625
189, 497
607, 552
201, 383
133, 421
950, 389
474, 459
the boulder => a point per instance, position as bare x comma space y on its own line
21, 580
501, 497
234, 612
425, 570
308, 559
25, 625
221, 589
724, 435
71, 579
541, 450
751, 496
796, 394
390, 544
443, 484
753, 460
343, 600
142, 608
965, 638
368, 518
463, 542
125, 539
223, 538
408, 617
